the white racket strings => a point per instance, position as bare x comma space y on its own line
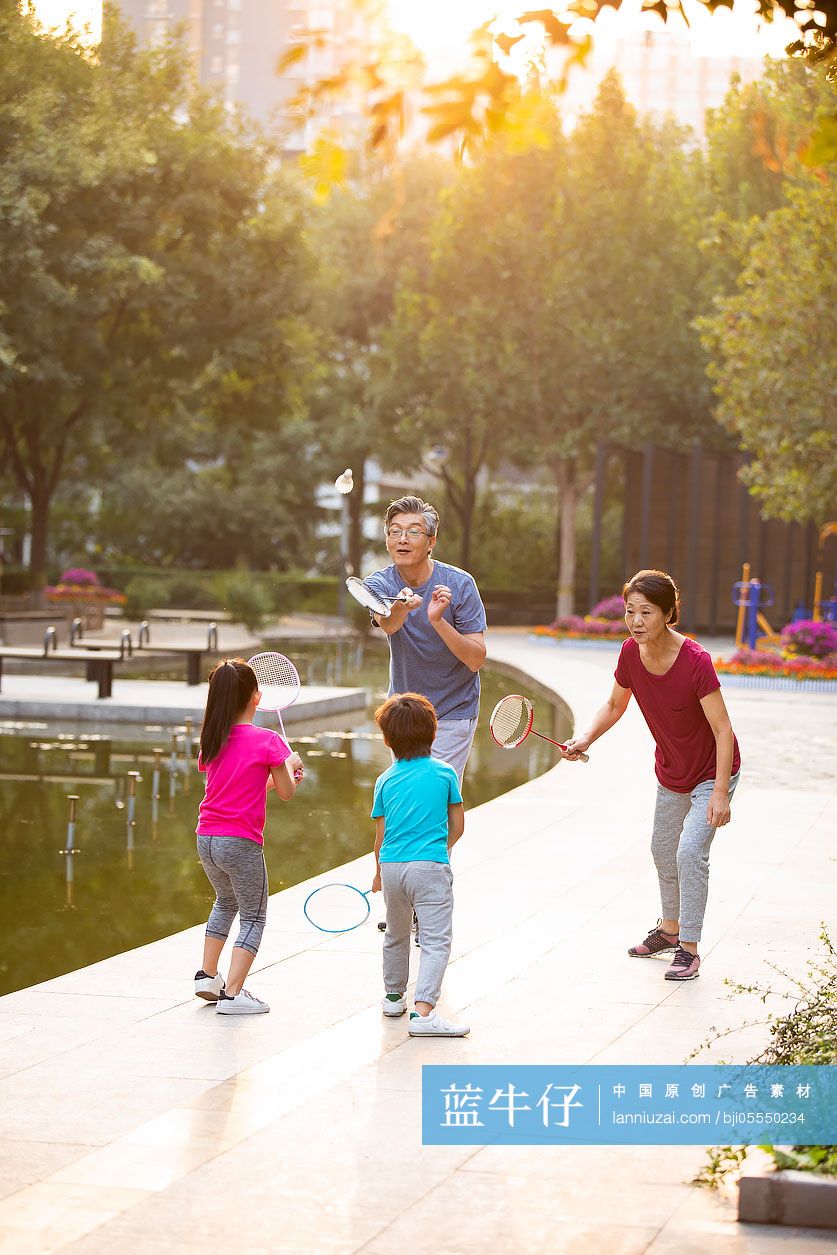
510, 720
278, 680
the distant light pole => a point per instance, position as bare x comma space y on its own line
344, 485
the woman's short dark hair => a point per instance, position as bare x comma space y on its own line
231, 685
408, 723
660, 589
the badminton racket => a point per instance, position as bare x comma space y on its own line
511, 723
279, 683
375, 602
337, 908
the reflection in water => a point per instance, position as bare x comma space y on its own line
122, 870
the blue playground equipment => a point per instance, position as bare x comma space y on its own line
752, 598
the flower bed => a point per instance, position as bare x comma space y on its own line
84, 596
574, 627
751, 662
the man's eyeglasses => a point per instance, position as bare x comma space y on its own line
412, 533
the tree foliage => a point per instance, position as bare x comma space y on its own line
552, 318
470, 107
150, 263
776, 356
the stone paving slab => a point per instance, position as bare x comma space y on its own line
132, 1118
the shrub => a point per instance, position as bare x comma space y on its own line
142, 593
611, 608
190, 592
15, 580
804, 1035
817, 640
247, 600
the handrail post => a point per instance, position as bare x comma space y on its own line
144, 634
76, 630
50, 638
212, 637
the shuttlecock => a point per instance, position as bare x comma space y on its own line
344, 483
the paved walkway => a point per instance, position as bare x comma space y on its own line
133, 1119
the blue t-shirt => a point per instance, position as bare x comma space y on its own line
420, 661
412, 796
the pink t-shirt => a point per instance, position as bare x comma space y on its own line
236, 781
685, 754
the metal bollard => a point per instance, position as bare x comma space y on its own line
173, 769
133, 778
155, 793
70, 850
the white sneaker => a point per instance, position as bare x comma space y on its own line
435, 1025
243, 1003
390, 1007
208, 987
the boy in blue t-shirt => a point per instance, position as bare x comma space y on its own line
418, 813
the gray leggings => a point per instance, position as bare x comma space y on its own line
427, 889
680, 844
236, 870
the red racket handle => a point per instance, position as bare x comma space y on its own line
585, 758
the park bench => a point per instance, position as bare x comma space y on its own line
99, 662
192, 653
77, 639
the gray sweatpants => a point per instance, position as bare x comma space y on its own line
680, 844
454, 738
427, 889
235, 868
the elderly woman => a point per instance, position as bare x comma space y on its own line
697, 761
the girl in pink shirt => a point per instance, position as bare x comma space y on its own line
242, 762
697, 760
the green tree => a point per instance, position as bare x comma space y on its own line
150, 264
776, 356
756, 149
553, 317
364, 237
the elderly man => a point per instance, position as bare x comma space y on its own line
436, 637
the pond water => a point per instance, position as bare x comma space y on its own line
132, 883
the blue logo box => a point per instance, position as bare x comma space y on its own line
661, 1105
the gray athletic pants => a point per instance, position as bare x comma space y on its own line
236, 870
680, 844
454, 738
427, 889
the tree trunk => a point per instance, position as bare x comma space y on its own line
355, 551
565, 477
469, 502
40, 499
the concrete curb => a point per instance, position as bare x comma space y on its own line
103, 712
766, 1196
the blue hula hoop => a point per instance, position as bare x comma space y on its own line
337, 885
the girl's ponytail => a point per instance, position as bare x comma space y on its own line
231, 685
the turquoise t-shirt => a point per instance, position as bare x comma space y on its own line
412, 797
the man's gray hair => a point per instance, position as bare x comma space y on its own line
413, 505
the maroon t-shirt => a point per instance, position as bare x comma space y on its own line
685, 754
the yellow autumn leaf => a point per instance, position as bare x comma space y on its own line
326, 166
